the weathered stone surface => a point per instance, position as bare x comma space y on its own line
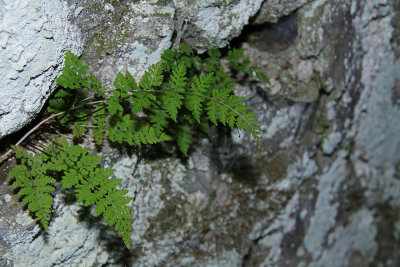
33, 39
214, 23
324, 192
273, 10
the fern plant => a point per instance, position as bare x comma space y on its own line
78, 171
174, 99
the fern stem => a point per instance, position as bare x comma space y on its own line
11, 151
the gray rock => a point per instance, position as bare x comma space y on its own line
33, 38
323, 192
273, 10
210, 23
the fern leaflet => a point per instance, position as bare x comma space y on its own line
184, 139
34, 183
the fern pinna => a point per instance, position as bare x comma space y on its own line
78, 171
174, 99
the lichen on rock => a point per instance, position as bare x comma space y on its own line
324, 191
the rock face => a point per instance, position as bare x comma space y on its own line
33, 39
324, 192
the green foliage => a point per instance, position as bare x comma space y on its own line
180, 90
235, 56
31, 176
78, 171
74, 72
184, 139
174, 99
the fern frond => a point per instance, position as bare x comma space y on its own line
115, 209
194, 104
142, 100
185, 49
200, 86
234, 56
62, 101
168, 58
95, 85
212, 111
149, 135
184, 139
216, 109
172, 99
159, 120
122, 86
99, 124
172, 102
121, 130
93, 185
74, 72
153, 77
177, 80
35, 185
113, 105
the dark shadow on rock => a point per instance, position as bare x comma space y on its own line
270, 37
114, 244
244, 170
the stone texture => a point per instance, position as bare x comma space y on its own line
323, 192
214, 23
273, 10
33, 38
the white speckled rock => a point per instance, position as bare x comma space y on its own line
214, 23
323, 192
34, 36
67, 242
272, 10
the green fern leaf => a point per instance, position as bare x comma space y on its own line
148, 135
97, 189
212, 111
93, 186
172, 102
113, 105
122, 130
177, 80
153, 77
142, 100
99, 123
235, 56
159, 120
200, 86
125, 84
214, 53
168, 58
35, 185
74, 72
95, 85
185, 49
184, 139
172, 99
194, 104
122, 85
